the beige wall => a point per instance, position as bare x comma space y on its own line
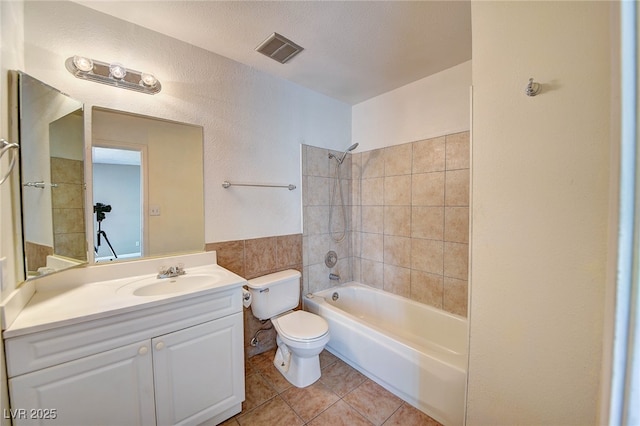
427, 108
541, 206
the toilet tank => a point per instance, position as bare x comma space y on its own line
274, 294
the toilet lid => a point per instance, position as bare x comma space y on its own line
302, 325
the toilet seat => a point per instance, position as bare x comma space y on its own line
301, 326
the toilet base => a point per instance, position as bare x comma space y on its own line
300, 372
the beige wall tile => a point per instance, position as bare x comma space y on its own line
356, 166
397, 251
337, 224
456, 260
397, 190
68, 220
372, 192
429, 155
343, 170
318, 190
319, 245
317, 162
305, 249
455, 298
316, 220
64, 170
373, 219
372, 273
260, 256
372, 163
397, 280
427, 255
397, 220
372, 247
319, 278
230, 255
343, 270
456, 224
427, 288
70, 245
397, 160
427, 189
356, 193
36, 255
427, 222
356, 218
457, 188
356, 269
458, 151
288, 251
305, 192
68, 195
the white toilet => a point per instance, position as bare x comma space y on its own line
301, 335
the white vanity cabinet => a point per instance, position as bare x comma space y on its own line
178, 363
113, 387
196, 373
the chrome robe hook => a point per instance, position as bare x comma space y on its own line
533, 88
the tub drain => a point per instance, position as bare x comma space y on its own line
335, 296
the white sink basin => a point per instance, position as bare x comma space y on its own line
153, 286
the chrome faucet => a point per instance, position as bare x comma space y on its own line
334, 277
171, 271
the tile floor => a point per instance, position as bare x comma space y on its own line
342, 396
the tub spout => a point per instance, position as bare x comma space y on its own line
334, 277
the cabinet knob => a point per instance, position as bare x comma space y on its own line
159, 346
143, 350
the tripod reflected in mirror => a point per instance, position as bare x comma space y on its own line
101, 210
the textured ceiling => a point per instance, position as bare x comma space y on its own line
353, 50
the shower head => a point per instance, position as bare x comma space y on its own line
344, 154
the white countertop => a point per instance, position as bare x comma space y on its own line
66, 305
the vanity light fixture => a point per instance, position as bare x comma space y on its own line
113, 74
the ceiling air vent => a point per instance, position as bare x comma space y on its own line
279, 48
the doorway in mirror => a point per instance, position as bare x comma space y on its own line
117, 201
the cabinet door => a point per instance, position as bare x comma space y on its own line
110, 388
199, 371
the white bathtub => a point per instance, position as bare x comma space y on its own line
417, 352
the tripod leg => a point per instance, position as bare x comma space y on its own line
104, 234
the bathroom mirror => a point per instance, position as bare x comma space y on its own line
53, 205
51, 136
148, 187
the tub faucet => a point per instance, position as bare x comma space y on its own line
171, 271
334, 277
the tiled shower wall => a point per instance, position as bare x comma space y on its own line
409, 220
318, 179
68, 208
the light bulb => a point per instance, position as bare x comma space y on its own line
148, 80
117, 70
82, 63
